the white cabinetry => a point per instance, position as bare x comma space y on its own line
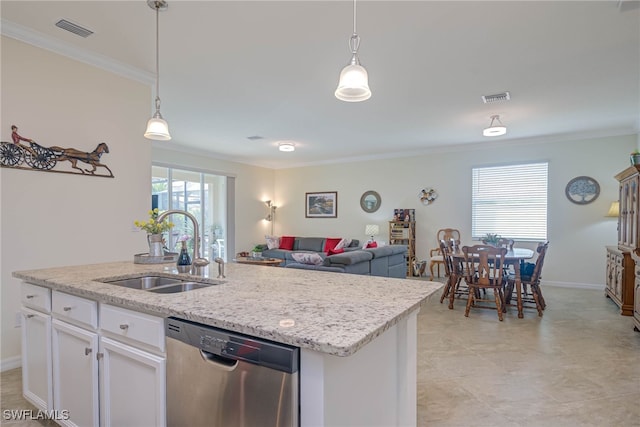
132, 384
36, 345
110, 373
75, 374
75, 366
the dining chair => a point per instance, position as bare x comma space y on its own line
453, 280
483, 270
531, 292
436, 257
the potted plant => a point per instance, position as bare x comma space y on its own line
491, 239
256, 252
635, 157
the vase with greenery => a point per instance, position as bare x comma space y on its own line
635, 157
154, 231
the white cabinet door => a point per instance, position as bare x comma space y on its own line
36, 358
132, 386
75, 374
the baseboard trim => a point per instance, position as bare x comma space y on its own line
574, 285
10, 363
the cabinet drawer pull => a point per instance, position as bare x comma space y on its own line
30, 296
29, 316
66, 308
87, 351
124, 326
99, 356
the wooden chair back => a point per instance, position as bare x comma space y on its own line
447, 234
484, 265
537, 271
505, 243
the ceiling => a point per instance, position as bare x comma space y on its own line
237, 69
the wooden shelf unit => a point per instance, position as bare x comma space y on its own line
404, 233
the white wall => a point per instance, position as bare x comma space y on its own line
54, 219
577, 233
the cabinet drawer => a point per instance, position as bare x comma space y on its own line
133, 327
73, 309
36, 297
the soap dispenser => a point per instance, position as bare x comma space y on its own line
184, 260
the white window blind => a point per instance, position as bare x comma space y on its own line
510, 201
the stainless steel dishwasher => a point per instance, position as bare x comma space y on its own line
221, 378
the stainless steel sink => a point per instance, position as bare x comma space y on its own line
180, 287
160, 284
144, 282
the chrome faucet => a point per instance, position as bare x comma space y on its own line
197, 261
220, 263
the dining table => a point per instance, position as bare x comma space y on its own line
512, 258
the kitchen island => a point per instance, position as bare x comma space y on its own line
356, 334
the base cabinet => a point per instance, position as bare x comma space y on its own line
636, 300
620, 279
36, 358
75, 374
129, 372
107, 373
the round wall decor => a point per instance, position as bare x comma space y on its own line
428, 195
370, 201
582, 190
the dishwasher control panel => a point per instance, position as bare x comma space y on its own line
233, 345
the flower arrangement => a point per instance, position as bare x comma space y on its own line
153, 226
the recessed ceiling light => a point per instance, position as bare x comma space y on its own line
286, 146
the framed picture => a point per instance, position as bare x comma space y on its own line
321, 205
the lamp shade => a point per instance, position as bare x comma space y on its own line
372, 230
354, 84
614, 209
495, 130
157, 128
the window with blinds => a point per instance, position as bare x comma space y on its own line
510, 201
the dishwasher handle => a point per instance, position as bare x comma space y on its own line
220, 362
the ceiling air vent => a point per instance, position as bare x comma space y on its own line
73, 28
488, 99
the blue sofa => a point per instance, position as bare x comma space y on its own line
385, 261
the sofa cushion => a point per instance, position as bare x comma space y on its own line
331, 243
314, 244
372, 245
307, 258
348, 258
335, 251
286, 242
315, 267
273, 242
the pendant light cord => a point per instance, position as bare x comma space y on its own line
157, 56
354, 41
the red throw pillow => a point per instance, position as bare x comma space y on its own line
286, 242
335, 251
372, 245
331, 244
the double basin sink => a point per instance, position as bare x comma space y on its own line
159, 284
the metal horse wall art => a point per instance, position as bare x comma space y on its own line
36, 157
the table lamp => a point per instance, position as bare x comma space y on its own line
372, 230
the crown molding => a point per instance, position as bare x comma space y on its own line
41, 40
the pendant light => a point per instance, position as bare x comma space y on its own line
354, 80
157, 127
495, 130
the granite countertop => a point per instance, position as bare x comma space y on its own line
332, 313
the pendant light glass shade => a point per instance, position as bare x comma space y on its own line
354, 84
354, 80
495, 130
157, 127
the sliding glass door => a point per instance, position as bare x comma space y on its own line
203, 195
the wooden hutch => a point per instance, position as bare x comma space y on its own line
621, 274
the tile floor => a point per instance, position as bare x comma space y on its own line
578, 365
